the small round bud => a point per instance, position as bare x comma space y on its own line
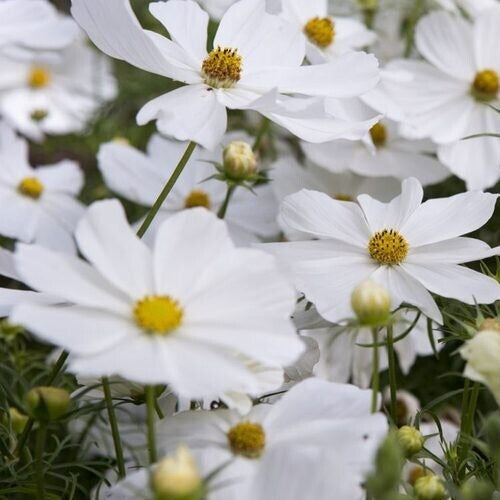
18, 421
47, 403
410, 439
177, 478
240, 162
371, 303
429, 487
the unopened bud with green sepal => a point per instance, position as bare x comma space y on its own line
47, 403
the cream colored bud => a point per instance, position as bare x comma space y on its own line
410, 439
429, 487
240, 162
47, 403
177, 478
371, 303
18, 421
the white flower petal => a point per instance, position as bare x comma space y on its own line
65, 176
486, 39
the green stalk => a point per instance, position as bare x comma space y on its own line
114, 428
375, 371
223, 209
150, 406
263, 129
469, 403
392, 373
166, 190
39, 447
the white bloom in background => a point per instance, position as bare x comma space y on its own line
383, 153
139, 177
55, 96
177, 314
289, 177
329, 423
39, 205
345, 355
33, 25
452, 93
254, 55
327, 36
407, 246
482, 354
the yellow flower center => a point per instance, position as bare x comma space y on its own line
158, 314
343, 197
197, 198
486, 85
38, 77
31, 187
247, 439
416, 473
221, 69
378, 133
388, 247
320, 31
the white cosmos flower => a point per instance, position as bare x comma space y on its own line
327, 37
322, 421
178, 314
38, 204
33, 25
55, 96
140, 176
452, 93
383, 153
254, 53
407, 246
471, 7
289, 177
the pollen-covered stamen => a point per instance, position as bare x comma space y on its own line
378, 133
197, 198
31, 187
486, 85
38, 77
158, 314
320, 31
222, 68
247, 439
388, 247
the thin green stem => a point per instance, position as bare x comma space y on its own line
261, 133
56, 369
115, 432
392, 373
150, 406
166, 190
375, 371
469, 403
223, 209
39, 447
416, 12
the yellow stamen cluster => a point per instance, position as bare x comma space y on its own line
38, 77
197, 198
158, 314
378, 133
222, 68
31, 187
320, 31
486, 85
388, 247
247, 439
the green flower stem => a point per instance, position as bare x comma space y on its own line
469, 403
56, 369
375, 371
392, 373
166, 190
261, 133
150, 405
39, 447
114, 428
223, 209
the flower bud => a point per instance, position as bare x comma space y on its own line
177, 478
371, 303
240, 162
477, 489
47, 403
17, 420
429, 487
410, 439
